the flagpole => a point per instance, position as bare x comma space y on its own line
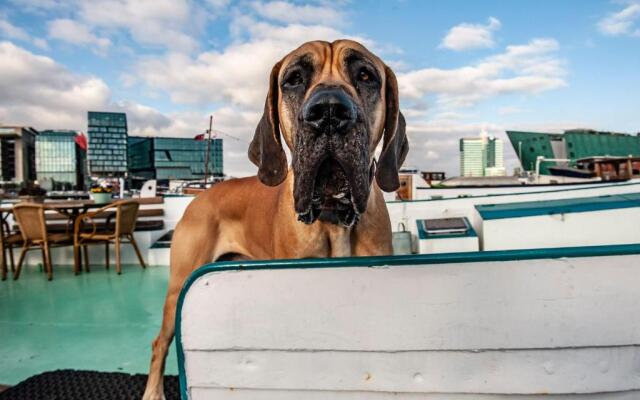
206, 158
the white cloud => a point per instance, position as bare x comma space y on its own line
286, 12
10, 31
46, 95
623, 22
76, 33
528, 69
150, 22
238, 74
43, 93
471, 36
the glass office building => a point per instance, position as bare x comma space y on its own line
166, 158
17, 154
107, 143
60, 159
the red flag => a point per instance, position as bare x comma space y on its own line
199, 137
81, 140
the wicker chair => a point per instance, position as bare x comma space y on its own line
125, 213
8, 241
33, 228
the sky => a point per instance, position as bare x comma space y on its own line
463, 67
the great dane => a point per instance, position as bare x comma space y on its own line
331, 103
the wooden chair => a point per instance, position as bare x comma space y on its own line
8, 241
33, 228
125, 213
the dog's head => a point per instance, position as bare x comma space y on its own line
332, 103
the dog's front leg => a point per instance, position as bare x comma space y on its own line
340, 241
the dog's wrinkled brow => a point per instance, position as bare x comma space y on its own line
351, 56
302, 61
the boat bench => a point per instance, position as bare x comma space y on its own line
534, 324
144, 223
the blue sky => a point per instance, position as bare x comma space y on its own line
463, 66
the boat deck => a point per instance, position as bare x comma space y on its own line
96, 321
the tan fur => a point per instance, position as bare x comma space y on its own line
252, 220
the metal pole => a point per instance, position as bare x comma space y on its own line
206, 157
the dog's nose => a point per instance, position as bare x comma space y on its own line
329, 108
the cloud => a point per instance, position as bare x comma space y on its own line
76, 33
282, 11
527, 69
471, 36
161, 24
236, 75
44, 93
10, 31
152, 22
622, 22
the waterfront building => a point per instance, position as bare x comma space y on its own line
572, 145
60, 159
107, 143
167, 158
482, 156
472, 156
17, 154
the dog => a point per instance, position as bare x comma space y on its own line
331, 103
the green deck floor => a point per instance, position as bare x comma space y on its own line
97, 321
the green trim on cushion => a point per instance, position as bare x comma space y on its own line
564, 206
382, 261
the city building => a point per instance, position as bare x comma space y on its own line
60, 159
17, 154
482, 156
107, 152
472, 156
166, 158
573, 145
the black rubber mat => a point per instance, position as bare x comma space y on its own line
70, 384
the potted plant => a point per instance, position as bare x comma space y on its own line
101, 193
32, 192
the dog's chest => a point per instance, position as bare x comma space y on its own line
318, 240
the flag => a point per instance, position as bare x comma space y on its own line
81, 140
199, 137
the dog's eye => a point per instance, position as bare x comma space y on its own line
293, 79
364, 75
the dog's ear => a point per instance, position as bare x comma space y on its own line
395, 145
265, 149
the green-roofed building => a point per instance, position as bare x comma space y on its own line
167, 158
573, 145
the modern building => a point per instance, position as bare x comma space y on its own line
166, 158
17, 154
472, 156
481, 156
572, 145
107, 144
60, 159
495, 153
